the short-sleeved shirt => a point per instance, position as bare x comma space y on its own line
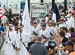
73, 35
38, 49
44, 33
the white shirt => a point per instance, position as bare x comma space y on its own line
8, 46
17, 39
36, 30
46, 34
68, 35
62, 25
72, 20
10, 34
52, 31
68, 23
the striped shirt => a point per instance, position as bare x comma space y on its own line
1, 12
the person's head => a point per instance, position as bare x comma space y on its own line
17, 19
43, 26
47, 15
43, 20
61, 20
35, 24
65, 30
16, 26
62, 34
72, 30
38, 38
69, 45
10, 27
51, 23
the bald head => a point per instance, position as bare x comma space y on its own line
39, 38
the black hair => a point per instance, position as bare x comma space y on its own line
62, 34
64, 28
72, 30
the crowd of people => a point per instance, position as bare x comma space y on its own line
47, 37
56, 37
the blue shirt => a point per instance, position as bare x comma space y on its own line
1, 29
38, 49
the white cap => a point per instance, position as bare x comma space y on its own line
10, 25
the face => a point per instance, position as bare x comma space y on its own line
68, 47
35, 25
31, 24
49, 24
61, 21
10, 29
44, 27
17, 20
16, 28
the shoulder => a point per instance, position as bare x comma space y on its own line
32, 45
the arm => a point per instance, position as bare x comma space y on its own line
45, 41
61, 48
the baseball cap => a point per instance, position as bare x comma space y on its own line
70, 43
34, 22
10, 25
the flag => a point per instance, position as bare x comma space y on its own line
1, 12
26, 22
56, 15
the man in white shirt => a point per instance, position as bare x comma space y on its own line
17, 39
10, 42
62, 24
70, 21
35, 28
45, 35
